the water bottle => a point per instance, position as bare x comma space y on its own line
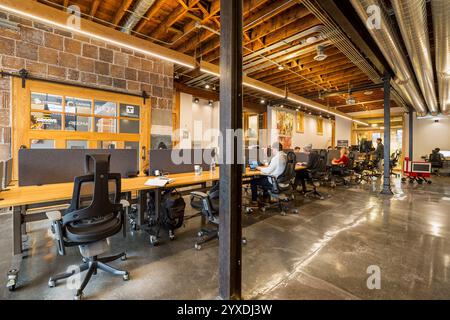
212, 166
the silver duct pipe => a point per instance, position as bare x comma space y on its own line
139, 10
441, 22
412, 19
388, 42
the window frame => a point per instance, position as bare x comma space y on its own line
21, 117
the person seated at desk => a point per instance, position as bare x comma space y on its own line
343, 160
302, 175
275, 168
297, 150
338, 164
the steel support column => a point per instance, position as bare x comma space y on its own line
410, 135
230, 227
387, 135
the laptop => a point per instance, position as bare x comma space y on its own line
253, 165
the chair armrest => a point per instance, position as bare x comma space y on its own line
54, 215
199, 194
125, 203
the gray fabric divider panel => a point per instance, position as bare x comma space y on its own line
162, 160
7, 176
333, 154
48, 166
302, 157
2, 164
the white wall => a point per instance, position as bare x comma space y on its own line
428, 135
195, 113
310, 133
343, 130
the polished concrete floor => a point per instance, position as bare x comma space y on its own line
324, 252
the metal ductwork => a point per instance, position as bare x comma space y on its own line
388, 42
441, 22
412, 19
139, 10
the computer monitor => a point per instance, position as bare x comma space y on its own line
253, 164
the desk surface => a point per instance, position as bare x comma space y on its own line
17, 196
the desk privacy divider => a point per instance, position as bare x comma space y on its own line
163, 161
48, 166
302, 157
7, 173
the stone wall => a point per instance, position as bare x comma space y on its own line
50, 53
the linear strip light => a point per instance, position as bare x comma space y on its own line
205, 70
263, 90
92, 35
327, 111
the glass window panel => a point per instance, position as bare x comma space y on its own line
78, 123
129, 126
107, 145
129, 111
75, 105
43, 101
45, 121
42, 144
105, 125
104, 108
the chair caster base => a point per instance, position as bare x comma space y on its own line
283, 213
12, 280
153, 241
78, 296
126, 277
51, 284
244, 241
198, 247
124, 257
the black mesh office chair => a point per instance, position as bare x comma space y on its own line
343, 174
282, 186
208, 205
436, 160
317, 173
95, 214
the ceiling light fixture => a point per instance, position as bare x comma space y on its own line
280, 68
207, 86
93, 35
262, 101
320, 56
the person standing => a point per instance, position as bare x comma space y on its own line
379, 154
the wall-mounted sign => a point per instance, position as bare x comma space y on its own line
342, 143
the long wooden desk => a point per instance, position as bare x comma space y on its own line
30, 203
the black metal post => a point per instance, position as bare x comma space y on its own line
387, 135
411, 128
230, 227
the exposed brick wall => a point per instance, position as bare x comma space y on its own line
50, 53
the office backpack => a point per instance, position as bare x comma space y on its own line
172, 209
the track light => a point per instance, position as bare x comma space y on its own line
196, 100
207, 86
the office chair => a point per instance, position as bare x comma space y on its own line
317, 173
436, 161
394, 162
282, 189
208, 204
343, 174
95, 214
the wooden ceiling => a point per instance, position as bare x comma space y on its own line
267, 55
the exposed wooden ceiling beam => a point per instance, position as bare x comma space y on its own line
121, 12
172, 18
94, 8
150, 13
